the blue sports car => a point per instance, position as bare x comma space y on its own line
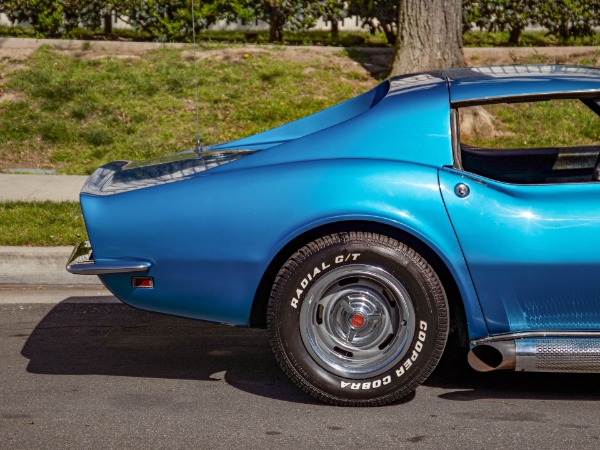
362, 235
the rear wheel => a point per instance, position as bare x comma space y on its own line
357, 319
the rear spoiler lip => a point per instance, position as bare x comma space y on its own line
123, 176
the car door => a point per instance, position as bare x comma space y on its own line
532, 246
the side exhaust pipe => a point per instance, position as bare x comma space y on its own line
493, 356
538, 354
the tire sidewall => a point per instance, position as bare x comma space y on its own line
400, 262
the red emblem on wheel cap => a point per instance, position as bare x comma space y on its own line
357, 320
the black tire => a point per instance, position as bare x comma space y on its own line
357, 319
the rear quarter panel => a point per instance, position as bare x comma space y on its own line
211, 238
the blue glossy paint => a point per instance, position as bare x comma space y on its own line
532, 251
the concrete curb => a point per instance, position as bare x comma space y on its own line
40, 187
40, 266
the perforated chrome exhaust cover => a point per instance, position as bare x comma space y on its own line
558, 355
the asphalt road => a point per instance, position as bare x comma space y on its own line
89, 372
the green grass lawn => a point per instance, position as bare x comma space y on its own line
41, 223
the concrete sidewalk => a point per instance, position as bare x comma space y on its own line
40, 187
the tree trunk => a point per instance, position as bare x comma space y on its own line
275, 32
429, 36
335, 29
276, 24
513, 37
108, 24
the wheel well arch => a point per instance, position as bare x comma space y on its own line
458, 322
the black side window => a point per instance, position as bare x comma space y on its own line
541, 142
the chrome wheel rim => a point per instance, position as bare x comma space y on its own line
356, 321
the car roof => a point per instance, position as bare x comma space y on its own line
490, 84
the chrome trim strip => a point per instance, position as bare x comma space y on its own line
455, 131
535, 334
590, 93
481, 179
81, 262
468, 175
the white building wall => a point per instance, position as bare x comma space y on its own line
349, 24
4, 20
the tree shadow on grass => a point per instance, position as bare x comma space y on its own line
375, 60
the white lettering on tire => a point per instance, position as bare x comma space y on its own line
317, 270
367, 385
400, 371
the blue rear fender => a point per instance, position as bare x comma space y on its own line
412, 205
211, 238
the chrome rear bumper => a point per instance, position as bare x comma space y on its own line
81, 262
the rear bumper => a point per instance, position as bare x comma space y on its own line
81, 262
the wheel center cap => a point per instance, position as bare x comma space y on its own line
357, 321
